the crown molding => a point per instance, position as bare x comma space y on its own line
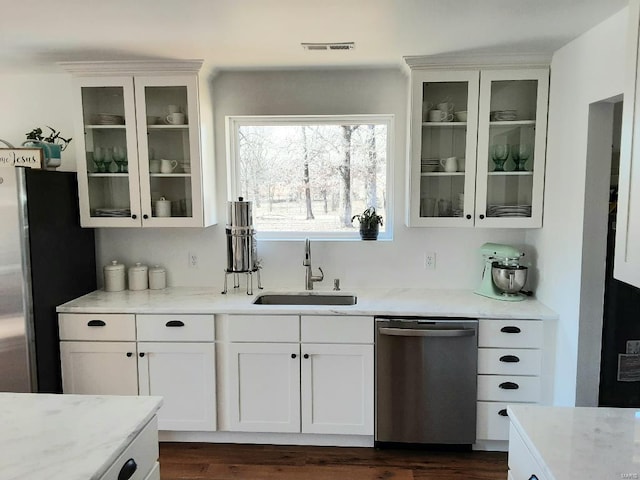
131, 67
508, 60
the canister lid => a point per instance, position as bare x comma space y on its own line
138, 267
156, 269
114, 267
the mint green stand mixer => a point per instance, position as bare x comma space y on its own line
503, 277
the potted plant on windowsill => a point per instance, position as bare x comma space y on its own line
370, 223
52, 146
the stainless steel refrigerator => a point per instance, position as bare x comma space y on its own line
45, 259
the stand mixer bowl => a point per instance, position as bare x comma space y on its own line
508, 278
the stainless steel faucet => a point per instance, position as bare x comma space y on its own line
309, 277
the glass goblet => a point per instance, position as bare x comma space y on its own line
108, 158
119, 157
520, 154
98, 159
499, 155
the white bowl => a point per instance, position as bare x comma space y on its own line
461, 116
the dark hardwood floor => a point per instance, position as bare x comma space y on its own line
182, 461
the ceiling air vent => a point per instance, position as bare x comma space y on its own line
329, 46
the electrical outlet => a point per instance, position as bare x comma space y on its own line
430, 261
193, 260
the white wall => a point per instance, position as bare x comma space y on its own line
587, 70
398, 263
35, 101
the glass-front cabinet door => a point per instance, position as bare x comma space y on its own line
168, 148
512, 129
443, 147
108, 163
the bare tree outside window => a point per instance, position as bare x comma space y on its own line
311, 176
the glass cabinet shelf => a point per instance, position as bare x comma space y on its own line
442, 174
105, 127
169, 175
513, 173
512, 123
167, 127
444, 124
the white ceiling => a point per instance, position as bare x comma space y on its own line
236, 34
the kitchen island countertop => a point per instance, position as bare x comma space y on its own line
67, 437
585, 443
394, 301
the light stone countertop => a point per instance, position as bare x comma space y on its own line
395, 301
67, 437
585, 443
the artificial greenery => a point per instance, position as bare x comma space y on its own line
368, 219
53, 137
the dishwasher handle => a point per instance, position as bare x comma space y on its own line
410, 332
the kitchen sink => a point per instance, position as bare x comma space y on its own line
305, 298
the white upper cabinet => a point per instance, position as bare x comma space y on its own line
144, 144
627, 252
477, 145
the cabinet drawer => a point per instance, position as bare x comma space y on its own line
492, 422
103, 327
505, 361
522, 464
263, 328
144, 452
175, 328
336, 329
495, 388
510, 333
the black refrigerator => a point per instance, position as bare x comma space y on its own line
45, 259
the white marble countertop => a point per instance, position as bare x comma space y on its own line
398, 301
581, 442
67, 437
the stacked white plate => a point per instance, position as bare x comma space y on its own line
503, 115
429, 164
509, 211
112, 212
108, 119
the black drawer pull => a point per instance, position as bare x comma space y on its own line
533, 477
96, 323
128, 469
306, 355
509, 359
141, 354
293, 355
174, 323
129, 354
509, 386
503, 412
510, 329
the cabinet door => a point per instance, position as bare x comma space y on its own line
512, 129
169, 150
443, 147
337, 389
99, 368
264, 387
107, 155
184, 374
627, 254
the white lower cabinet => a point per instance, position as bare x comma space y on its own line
173, 357
184, 375
99, 368
522, 464
302, 387
509, 368
337, 389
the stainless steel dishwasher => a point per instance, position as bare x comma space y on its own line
426, 385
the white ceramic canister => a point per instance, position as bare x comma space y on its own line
114, 277
138, 277
157, 278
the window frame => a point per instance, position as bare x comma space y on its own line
233, 122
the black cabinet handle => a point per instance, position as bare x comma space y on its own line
533, 477
293, 355
134, 216
306, 355
145, 216
509, 386
468, 217
503, 412
96, 323
509, 359
510, 329
174, 323
129, 354
128, 469
481, 217
141, 354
